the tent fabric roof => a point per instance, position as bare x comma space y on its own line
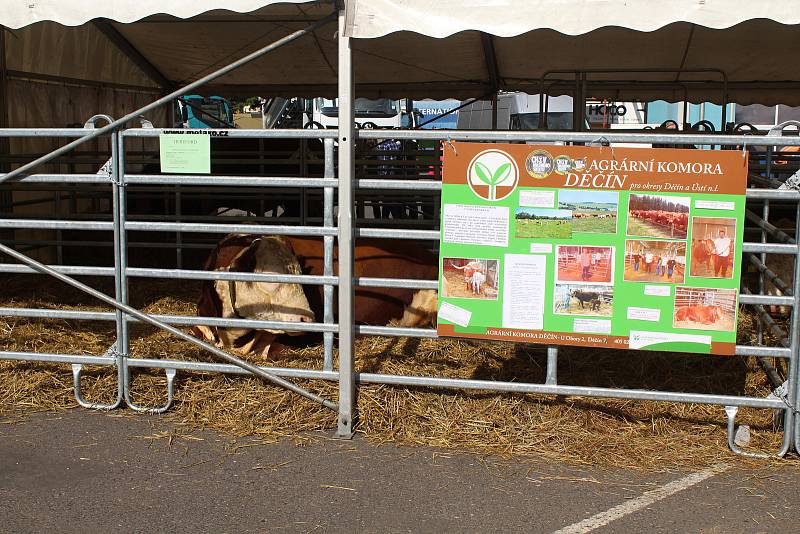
367, 19
411, 48
20, 13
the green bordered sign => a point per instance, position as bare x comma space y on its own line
185, 153
607, 247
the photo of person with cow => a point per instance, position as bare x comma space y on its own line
700, 308
713, 240
658, 216
470, 278
593, 265
580, 299
664, 261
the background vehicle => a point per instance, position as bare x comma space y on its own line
195, 111
519, 111
383, 113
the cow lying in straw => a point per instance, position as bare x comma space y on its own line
272, 301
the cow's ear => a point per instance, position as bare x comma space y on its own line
245, 261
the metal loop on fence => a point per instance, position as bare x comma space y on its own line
77, 369
170, 373
731, 411
92, 122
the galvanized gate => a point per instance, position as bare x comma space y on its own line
341, 180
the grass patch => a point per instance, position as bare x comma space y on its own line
539, 228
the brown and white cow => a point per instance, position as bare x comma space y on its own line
292, 302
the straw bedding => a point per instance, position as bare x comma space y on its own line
613, 433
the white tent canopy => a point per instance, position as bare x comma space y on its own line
676, 50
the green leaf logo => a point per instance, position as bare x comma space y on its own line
483, 172
493, 168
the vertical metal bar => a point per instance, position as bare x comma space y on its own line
59, 234
551, 379
494, 111
794, 338
303, 172
327, 294
117, 351
763, 258
121, 263
346, 235
178, 235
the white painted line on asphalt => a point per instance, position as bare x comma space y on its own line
643, 501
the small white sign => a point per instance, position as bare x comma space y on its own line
592, 326
541, 248
455, 314
658, 291
532, 198
714, 205
644, 314
640, 339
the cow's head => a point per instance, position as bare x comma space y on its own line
266, 301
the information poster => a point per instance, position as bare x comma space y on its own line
186, 152
592, 246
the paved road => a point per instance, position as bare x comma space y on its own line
80, 471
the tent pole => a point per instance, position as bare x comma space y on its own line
346, 235
6, 197
23, 170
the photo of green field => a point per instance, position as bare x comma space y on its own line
543, 223
593, 212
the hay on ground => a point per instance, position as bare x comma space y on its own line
607, 432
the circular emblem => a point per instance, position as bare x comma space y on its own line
492, 174
539, 164
562, 165
579, 164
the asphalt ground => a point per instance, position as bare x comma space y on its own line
82, 471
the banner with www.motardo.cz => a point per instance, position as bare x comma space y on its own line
634, 248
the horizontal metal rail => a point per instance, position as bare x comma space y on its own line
229, 181
174, 320
189, 320
227, 228
766, 300
71, 179
241, 133
421, 381
591, 137
181, 274
49, 224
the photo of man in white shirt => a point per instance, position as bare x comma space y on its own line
722, 254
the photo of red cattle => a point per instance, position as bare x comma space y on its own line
585, 264
470, 278
700, 308
658, 216
713, 240
655, 261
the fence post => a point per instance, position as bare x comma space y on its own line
346, 235
328, 256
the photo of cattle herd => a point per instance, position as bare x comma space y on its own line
593, 212
543, 223
579, 299
658, 216
470, 278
